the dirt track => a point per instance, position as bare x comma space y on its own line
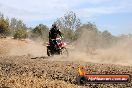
24, 72
18, 68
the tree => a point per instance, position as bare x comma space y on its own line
87, 36
18, 29
69, 21
20, 34
89, 27
13, 24
108, 39
40, 31
20, 25
17, 26
4, 26
68, 24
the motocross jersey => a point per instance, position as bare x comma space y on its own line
53, 33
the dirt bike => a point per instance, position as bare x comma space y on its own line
60, 50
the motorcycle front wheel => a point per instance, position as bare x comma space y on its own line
64, 52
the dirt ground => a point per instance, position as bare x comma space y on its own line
24, 64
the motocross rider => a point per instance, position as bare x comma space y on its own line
54, 31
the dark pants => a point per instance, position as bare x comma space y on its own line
53, 43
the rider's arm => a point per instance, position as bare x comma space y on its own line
59, 33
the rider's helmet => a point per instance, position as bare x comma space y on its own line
54, 25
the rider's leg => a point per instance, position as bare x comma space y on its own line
52, 44
56, 44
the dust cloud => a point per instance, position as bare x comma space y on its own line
11, 47
120, 53
87, 49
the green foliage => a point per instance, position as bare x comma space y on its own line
40, 31
87, 33
20, 34
18, 29
70, 25
13, 24
4, 26
16, 25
